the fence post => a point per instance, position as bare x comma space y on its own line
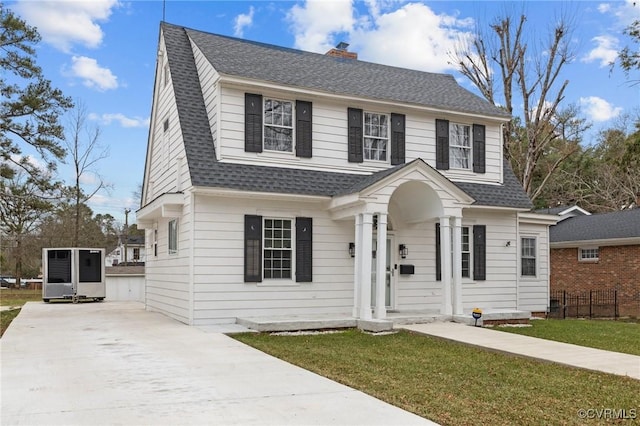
564, 304
615, 304
590, 304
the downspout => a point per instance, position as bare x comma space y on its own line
517, 271
192, 237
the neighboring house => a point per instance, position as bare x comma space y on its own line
282, 182
134, 248
599, 252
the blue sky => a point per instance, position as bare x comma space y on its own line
102, 52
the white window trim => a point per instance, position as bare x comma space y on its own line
469, 148
588, 259
279, 281
170, 251
537, 257
293, 127
387, 160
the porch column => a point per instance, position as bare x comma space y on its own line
457, 265
380, 311
356, 266
366, 239
445, 264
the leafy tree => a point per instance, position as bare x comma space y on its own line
57, 229
628, 57
22, 207
30, 107
544, 129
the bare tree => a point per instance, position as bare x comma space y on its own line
529, 75
84, 151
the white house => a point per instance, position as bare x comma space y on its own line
276, 181
133, 251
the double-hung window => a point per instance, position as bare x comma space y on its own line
528, 258
278, 125
460, 146
173, 236
466, 253
277, 249
376, 136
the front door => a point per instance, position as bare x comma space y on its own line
388, 294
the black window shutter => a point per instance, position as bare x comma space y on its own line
252, 122
438, 255
303, 129
479, 252
252, 249
478, 148
304, 249
397, 139
355, 136
442, 144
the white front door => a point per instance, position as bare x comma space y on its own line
390, 273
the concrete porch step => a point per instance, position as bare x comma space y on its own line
295, 323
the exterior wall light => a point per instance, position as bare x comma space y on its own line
352, 249
404, 251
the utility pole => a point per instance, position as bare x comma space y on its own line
126, 233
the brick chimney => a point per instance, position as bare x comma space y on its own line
340, 51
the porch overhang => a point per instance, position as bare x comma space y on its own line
166, 205
378, 194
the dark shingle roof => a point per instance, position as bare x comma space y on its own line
205, 171
290, 67
622, 224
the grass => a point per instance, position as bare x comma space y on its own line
17, 298
452, 383
617, 336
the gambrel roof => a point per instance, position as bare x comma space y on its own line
267, 63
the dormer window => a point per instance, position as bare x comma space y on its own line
376, 136
278, 125
460, 146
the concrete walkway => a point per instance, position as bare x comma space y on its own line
562, 353
115, 363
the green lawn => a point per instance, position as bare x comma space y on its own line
452, 383
617, 336
15, 297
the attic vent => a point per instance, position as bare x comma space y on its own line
340, 51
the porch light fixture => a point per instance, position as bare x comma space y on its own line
352, 249
404, 251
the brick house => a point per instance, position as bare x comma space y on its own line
598, 252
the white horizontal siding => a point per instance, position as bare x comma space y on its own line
166, 166
534, 291
167, 276
330, 137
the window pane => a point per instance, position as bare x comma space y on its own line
277, 253
278, 125
376, 131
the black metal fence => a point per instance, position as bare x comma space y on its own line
588, 304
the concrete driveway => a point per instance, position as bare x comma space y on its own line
115, 363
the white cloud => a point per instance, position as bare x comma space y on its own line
242, 21
606, 50
315, 23
92, 74
412, 37
63, 23
123, 120
598, 109
604, 7
407, 35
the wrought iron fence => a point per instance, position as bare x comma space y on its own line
587, 304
